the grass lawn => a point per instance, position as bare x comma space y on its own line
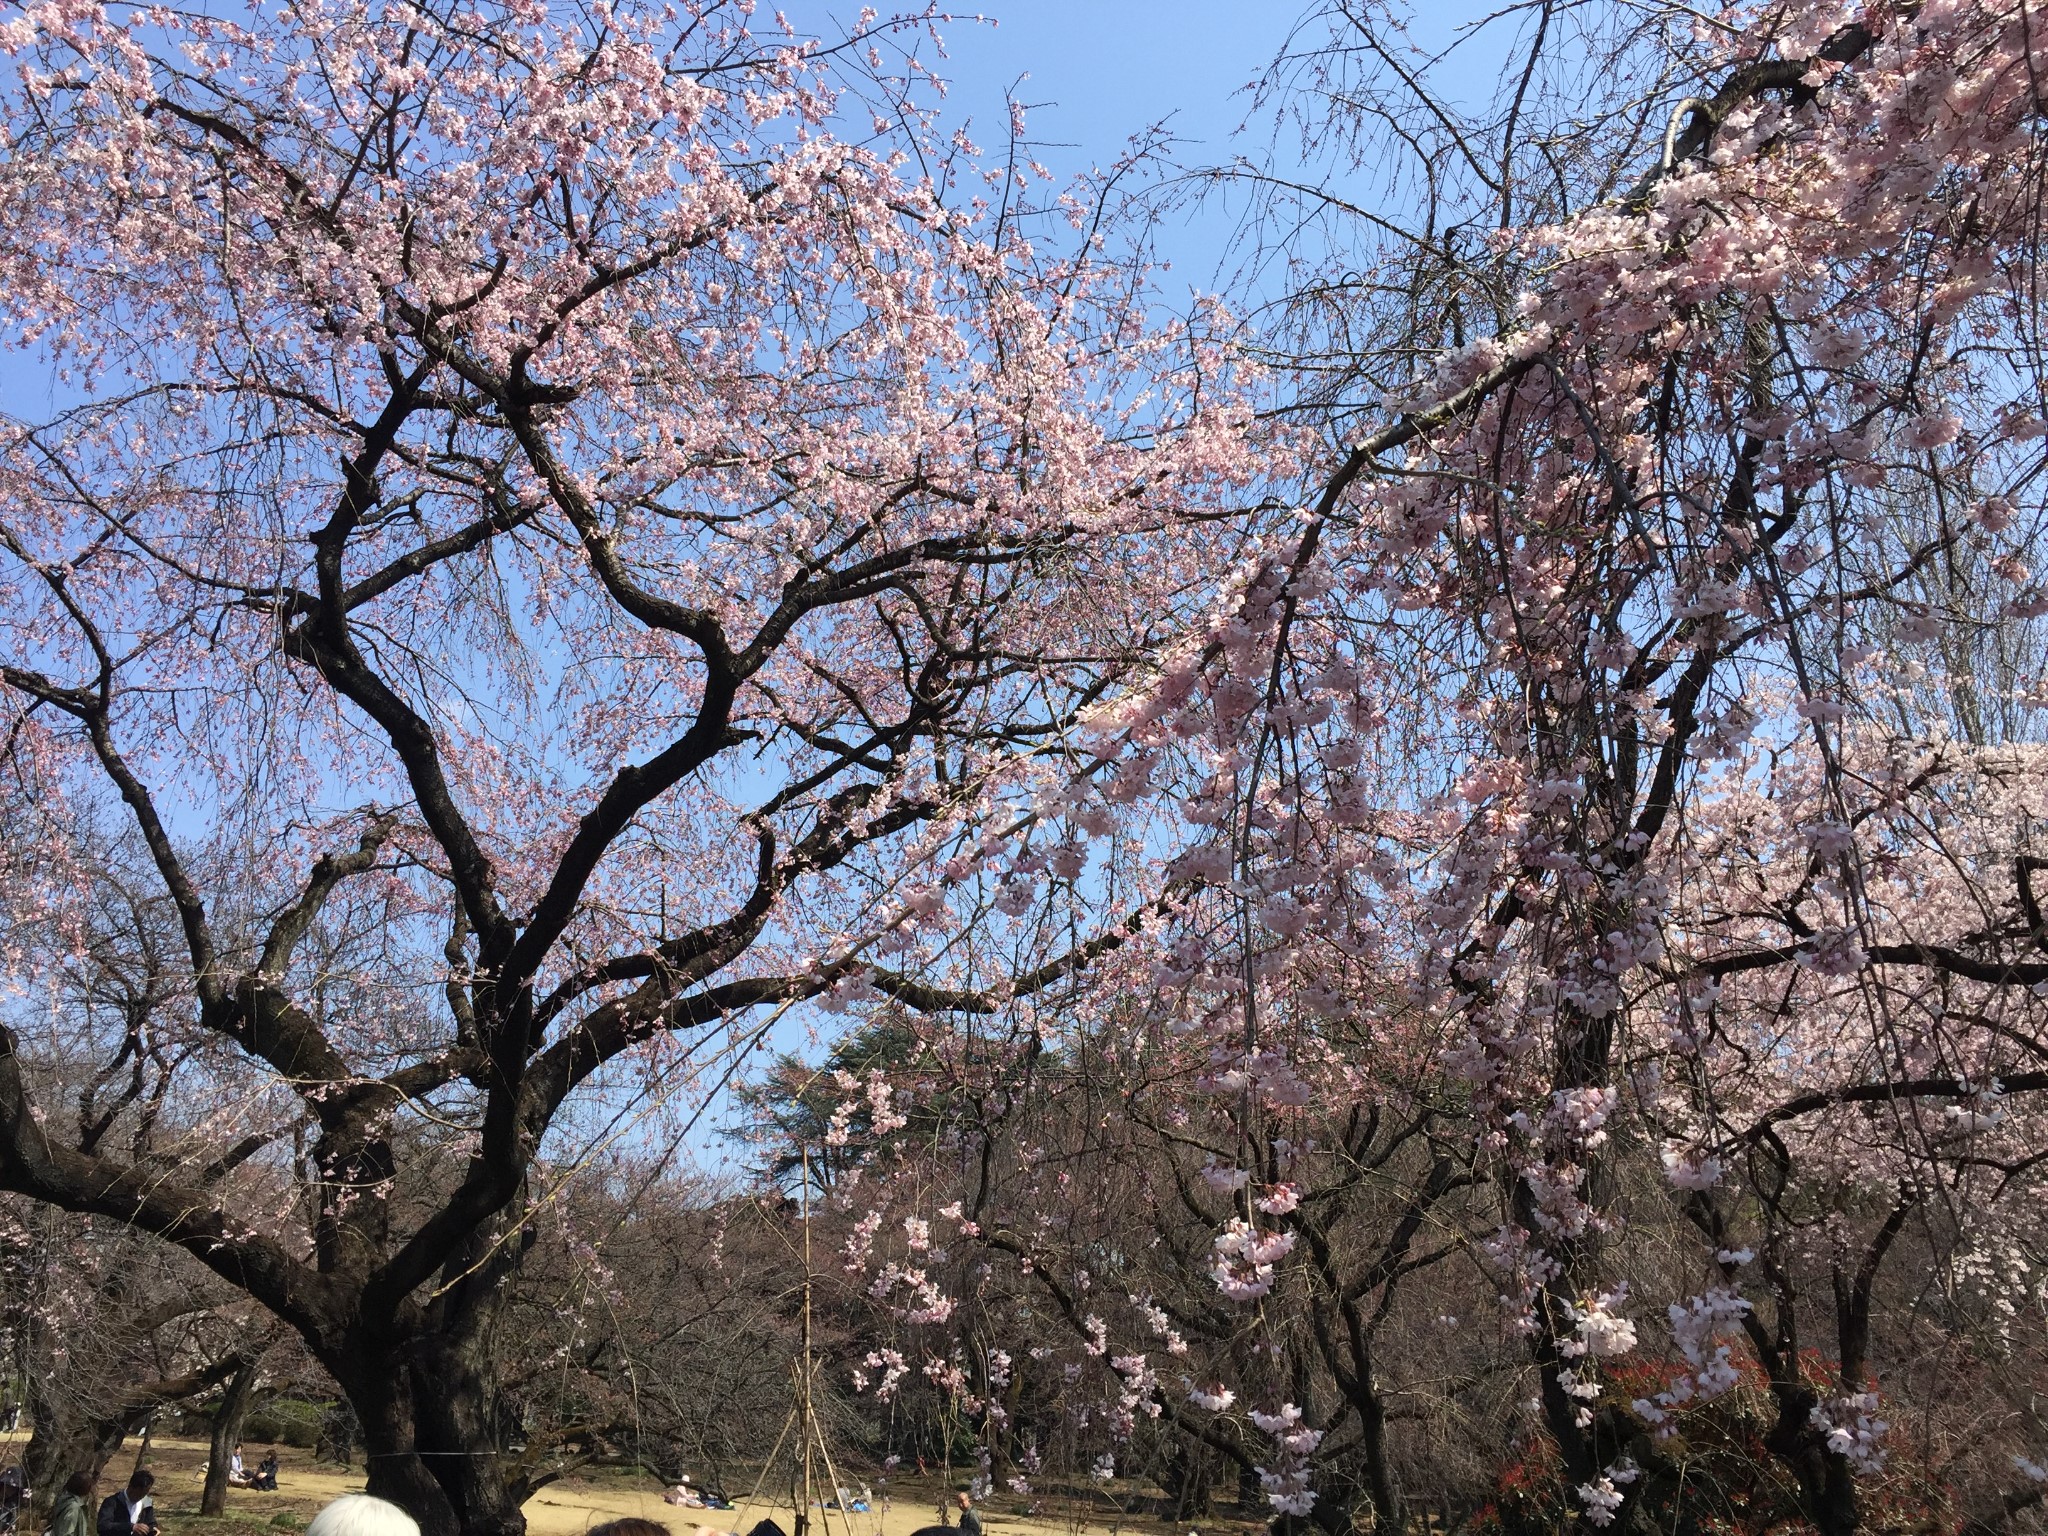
573, 1505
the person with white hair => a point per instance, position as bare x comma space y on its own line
358, 1514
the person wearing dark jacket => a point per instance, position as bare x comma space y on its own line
127, 1511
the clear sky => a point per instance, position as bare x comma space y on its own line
1097, 72
1102, 70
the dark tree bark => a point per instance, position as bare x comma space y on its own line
227, 1434
1190, 1472
63, 1443
455, 1386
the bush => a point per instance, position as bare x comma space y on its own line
286, 1421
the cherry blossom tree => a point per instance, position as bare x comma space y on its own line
1629, 757
1642, 567
562, 528
561, 556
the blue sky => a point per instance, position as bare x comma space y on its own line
1098, 72
1102, 70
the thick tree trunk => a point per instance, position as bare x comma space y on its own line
457, 1429
61, 1444
454, 1384
427, 1402
380, 1389
1187, 1479
227, 1433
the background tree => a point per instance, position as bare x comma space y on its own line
1601, 769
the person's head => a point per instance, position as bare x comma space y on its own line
963, 1498
630, 1525
358, 1514
79, 1485
141, 1482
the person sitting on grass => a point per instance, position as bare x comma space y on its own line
264, 1479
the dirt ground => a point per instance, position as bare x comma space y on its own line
574, 1505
